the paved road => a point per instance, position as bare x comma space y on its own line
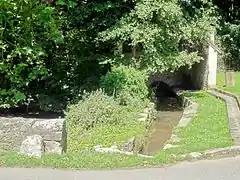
225, 169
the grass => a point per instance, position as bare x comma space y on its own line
107, 134
221, 83
209, 129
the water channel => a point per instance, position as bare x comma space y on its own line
169, 112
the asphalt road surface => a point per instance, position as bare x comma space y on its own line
224, 169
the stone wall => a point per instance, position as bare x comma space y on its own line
14, 130
172, 79
204, 74
199, 75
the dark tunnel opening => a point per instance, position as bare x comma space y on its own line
165, 87
163, 90
165, 96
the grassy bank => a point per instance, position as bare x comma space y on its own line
221, 83
107, 134
209, 129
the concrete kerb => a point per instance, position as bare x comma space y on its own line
228, 94
233, 112
212, 153
232, 150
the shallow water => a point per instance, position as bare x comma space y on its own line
167, 118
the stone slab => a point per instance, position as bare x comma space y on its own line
184, 121
51, 129
32, 146
53, 147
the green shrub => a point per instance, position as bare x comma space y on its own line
126, 83
99, 119
94, 108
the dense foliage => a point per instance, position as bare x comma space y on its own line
229, 32
26, 29
52, 51
167, 34
48, 51
122, 89
125, 83
93, 109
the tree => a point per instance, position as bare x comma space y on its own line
170, 33
26, 27
48, 50
229, 32
51, 51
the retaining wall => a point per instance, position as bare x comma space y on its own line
14, 130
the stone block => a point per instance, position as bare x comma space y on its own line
32, 146
175, 139
107, 150
191, 109
143, 115
50, 130
186, 102
143, 119
53, 147
169, 146
195, 155
129, 145
184, 121
13, 131
114, 146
